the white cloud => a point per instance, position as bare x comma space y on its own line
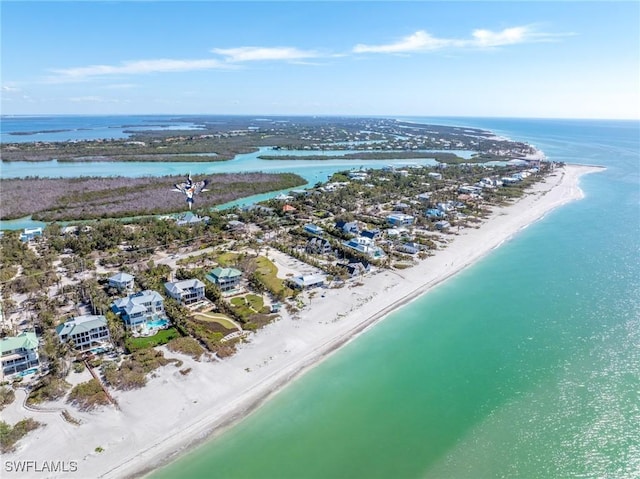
418, 41
10, 89
94, 99
423, 41
133, 68
249, 54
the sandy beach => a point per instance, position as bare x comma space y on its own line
174, 412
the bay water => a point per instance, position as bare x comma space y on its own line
524, 365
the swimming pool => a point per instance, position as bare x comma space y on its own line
157, 324
26, 372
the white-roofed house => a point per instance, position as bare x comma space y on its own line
122, 281
186, 291
307, 281
143, 310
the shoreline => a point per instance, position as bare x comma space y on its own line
135, 444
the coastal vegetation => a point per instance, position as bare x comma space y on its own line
88, 395
10, 435
118, 197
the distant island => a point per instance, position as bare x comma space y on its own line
386, 138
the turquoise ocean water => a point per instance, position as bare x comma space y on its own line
525, 365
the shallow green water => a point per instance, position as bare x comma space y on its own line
525, 365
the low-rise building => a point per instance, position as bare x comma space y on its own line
122, 281
226, 279
30, 233
307, 281
186, 291
313, 229
19, 353
318, 246
86, 332
400, 219
366, 246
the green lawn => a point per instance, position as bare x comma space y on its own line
268, 271
226, 260
161, 337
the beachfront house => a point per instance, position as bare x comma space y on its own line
309, 281
186, 291
443, 225
400, 219
85, 332
365, 246
409, 248
140, 311
122, 281
226, 279
355, 268
19, 353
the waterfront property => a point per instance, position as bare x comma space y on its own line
227, 279
443, 225
85, 332
310, 281
122, 281
19, 353
30, 233
400, 219
355, 268
366, 246
186, 291
141, 312
410, 248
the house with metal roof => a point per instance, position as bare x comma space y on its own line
143, 310
86, 332
400, 219
366, 246
30, 233
307, 281
19, 353
186, 291
122, 281
226, 279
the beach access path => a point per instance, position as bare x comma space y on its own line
174, 412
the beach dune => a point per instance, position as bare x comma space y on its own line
174, 412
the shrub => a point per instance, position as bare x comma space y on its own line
87, 396
9, 436
7, 395
187, 346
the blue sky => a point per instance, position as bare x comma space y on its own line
510, 59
